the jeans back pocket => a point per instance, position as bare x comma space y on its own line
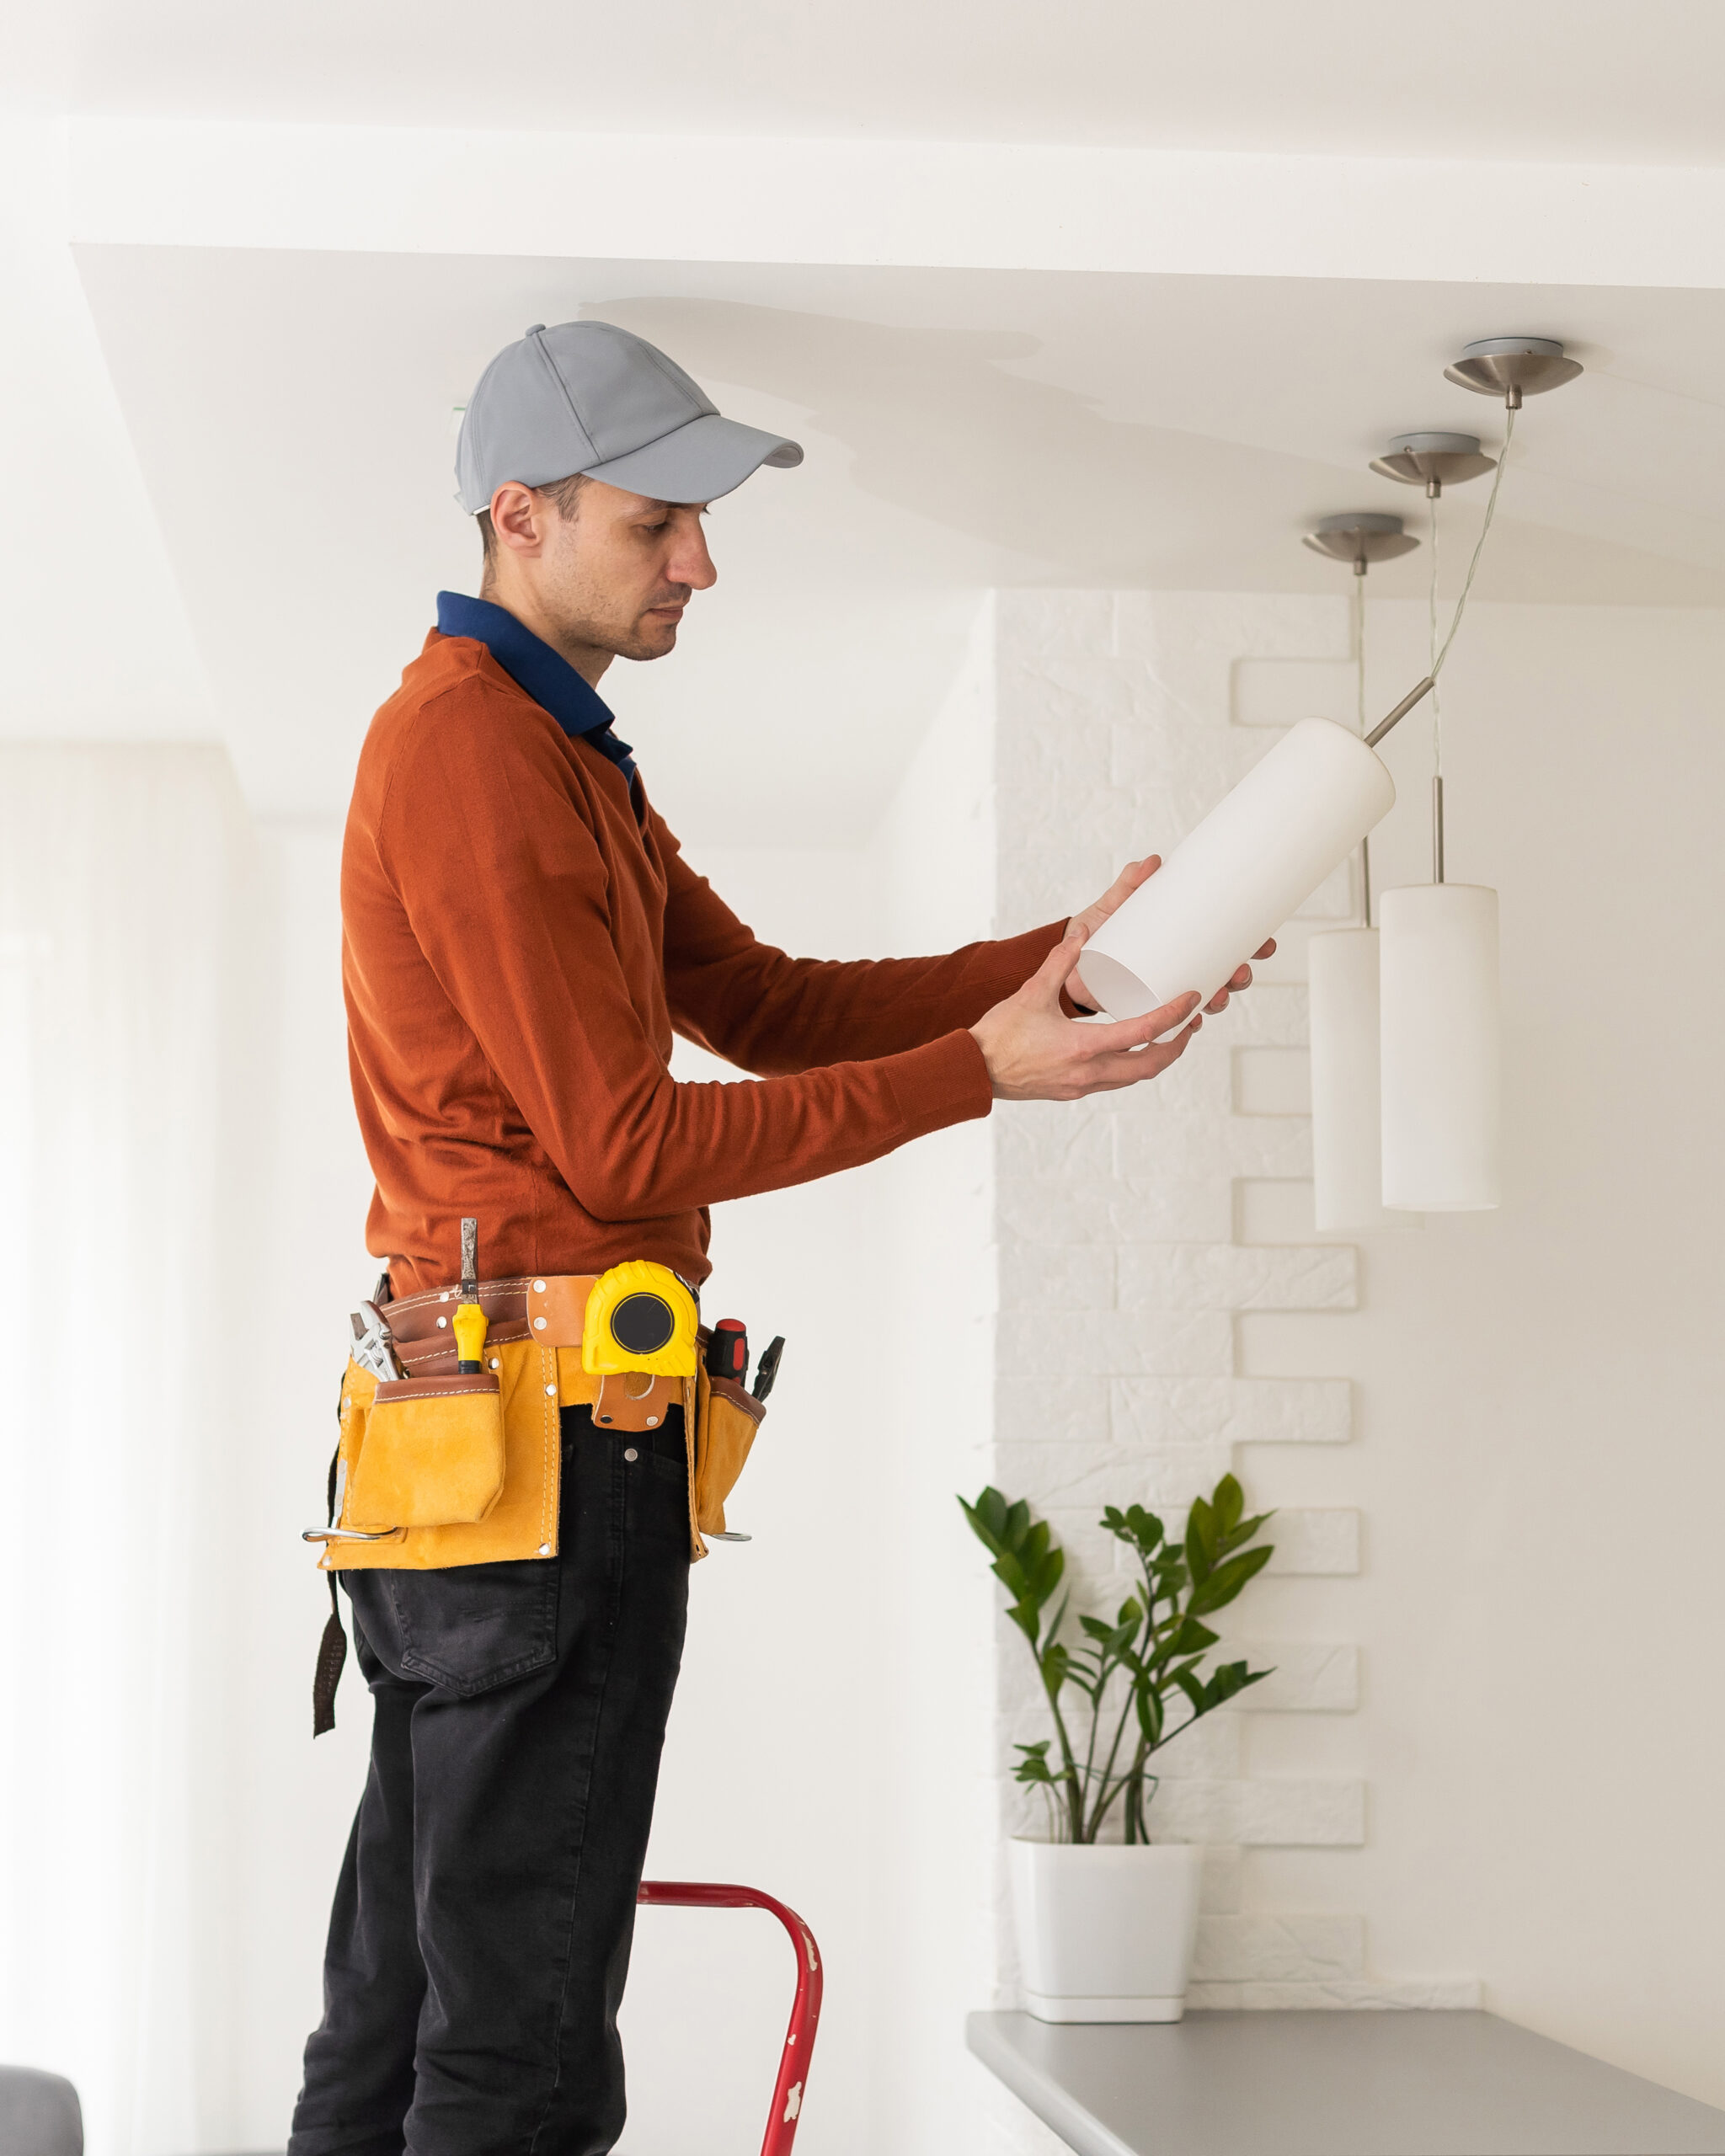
465, 1628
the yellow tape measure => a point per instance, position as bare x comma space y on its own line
640, 1316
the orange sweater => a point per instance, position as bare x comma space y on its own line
518, 950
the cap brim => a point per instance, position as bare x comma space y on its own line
698, 462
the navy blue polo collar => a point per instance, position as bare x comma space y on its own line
546, 675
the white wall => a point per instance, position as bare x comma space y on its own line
1540, 1459
151, 1850
1527, 1400
829, 1740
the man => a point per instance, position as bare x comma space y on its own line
522, 937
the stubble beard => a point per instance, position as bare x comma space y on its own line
586, 621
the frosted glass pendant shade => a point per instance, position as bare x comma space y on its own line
1254, 859
1441, 1035
1347, 1140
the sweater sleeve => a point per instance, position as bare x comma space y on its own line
507, 893
771, 1014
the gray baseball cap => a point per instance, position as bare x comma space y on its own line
587, 397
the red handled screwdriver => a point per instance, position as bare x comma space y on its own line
728, 1350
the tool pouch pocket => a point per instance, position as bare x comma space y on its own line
430, 1455
726, 1419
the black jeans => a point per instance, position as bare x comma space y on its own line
483, 1921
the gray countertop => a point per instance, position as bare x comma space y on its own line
1410, 2083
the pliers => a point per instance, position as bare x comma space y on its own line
374, 1344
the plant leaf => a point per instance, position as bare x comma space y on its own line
987, 1517
1200, 1540
1231, 1678
1192, 1638
1147, 1529
1245, 1531
1225, 1581
1192, 1687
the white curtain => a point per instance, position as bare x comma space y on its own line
123, 873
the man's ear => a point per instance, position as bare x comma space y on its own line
518, 518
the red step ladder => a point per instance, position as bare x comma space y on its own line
805, 2007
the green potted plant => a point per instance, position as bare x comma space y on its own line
1105, 1925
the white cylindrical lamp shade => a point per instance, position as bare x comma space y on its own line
1254, 859
1346, 1131
1442, 1047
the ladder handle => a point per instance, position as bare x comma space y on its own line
805, 2007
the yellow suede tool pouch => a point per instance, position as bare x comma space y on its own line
432, 1456
726, 1419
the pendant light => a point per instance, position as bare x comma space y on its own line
1441, 1049
1342, 975
1417, 1000
1440, 1021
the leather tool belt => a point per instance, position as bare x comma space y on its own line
441, 1468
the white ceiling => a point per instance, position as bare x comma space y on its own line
230, 463
1587, 80
963, 429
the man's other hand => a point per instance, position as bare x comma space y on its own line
1084, 925
1035, 1053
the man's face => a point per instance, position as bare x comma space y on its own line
619, 572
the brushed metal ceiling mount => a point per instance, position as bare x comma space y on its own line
1511, 368
1359, 538
1433, 461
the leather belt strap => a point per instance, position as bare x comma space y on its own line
549, 1308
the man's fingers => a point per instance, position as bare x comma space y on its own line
1051, 976
1126, 882
1117, 893
1242, 979
1232, 986
1132, 1032
1112, 1072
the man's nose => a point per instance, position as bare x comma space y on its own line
691, 564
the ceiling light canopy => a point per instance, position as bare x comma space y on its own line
1512, 367
1359, 536
1433, 461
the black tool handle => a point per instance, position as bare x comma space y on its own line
768, 1369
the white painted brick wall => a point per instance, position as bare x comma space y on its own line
1367, 1991
1265, 1813
1237, 1410
1163, 1277
1305, 1677
1280, 1949
1121, 719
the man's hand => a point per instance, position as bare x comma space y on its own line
1084, 925
1035, 1053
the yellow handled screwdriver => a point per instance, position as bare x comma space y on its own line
469, 1322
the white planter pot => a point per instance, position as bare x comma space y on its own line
1105, 1932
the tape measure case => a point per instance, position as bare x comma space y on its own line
640, 1316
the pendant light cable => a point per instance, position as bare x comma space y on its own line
1360, 704
1429, 686
1479, 544
1432, 653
